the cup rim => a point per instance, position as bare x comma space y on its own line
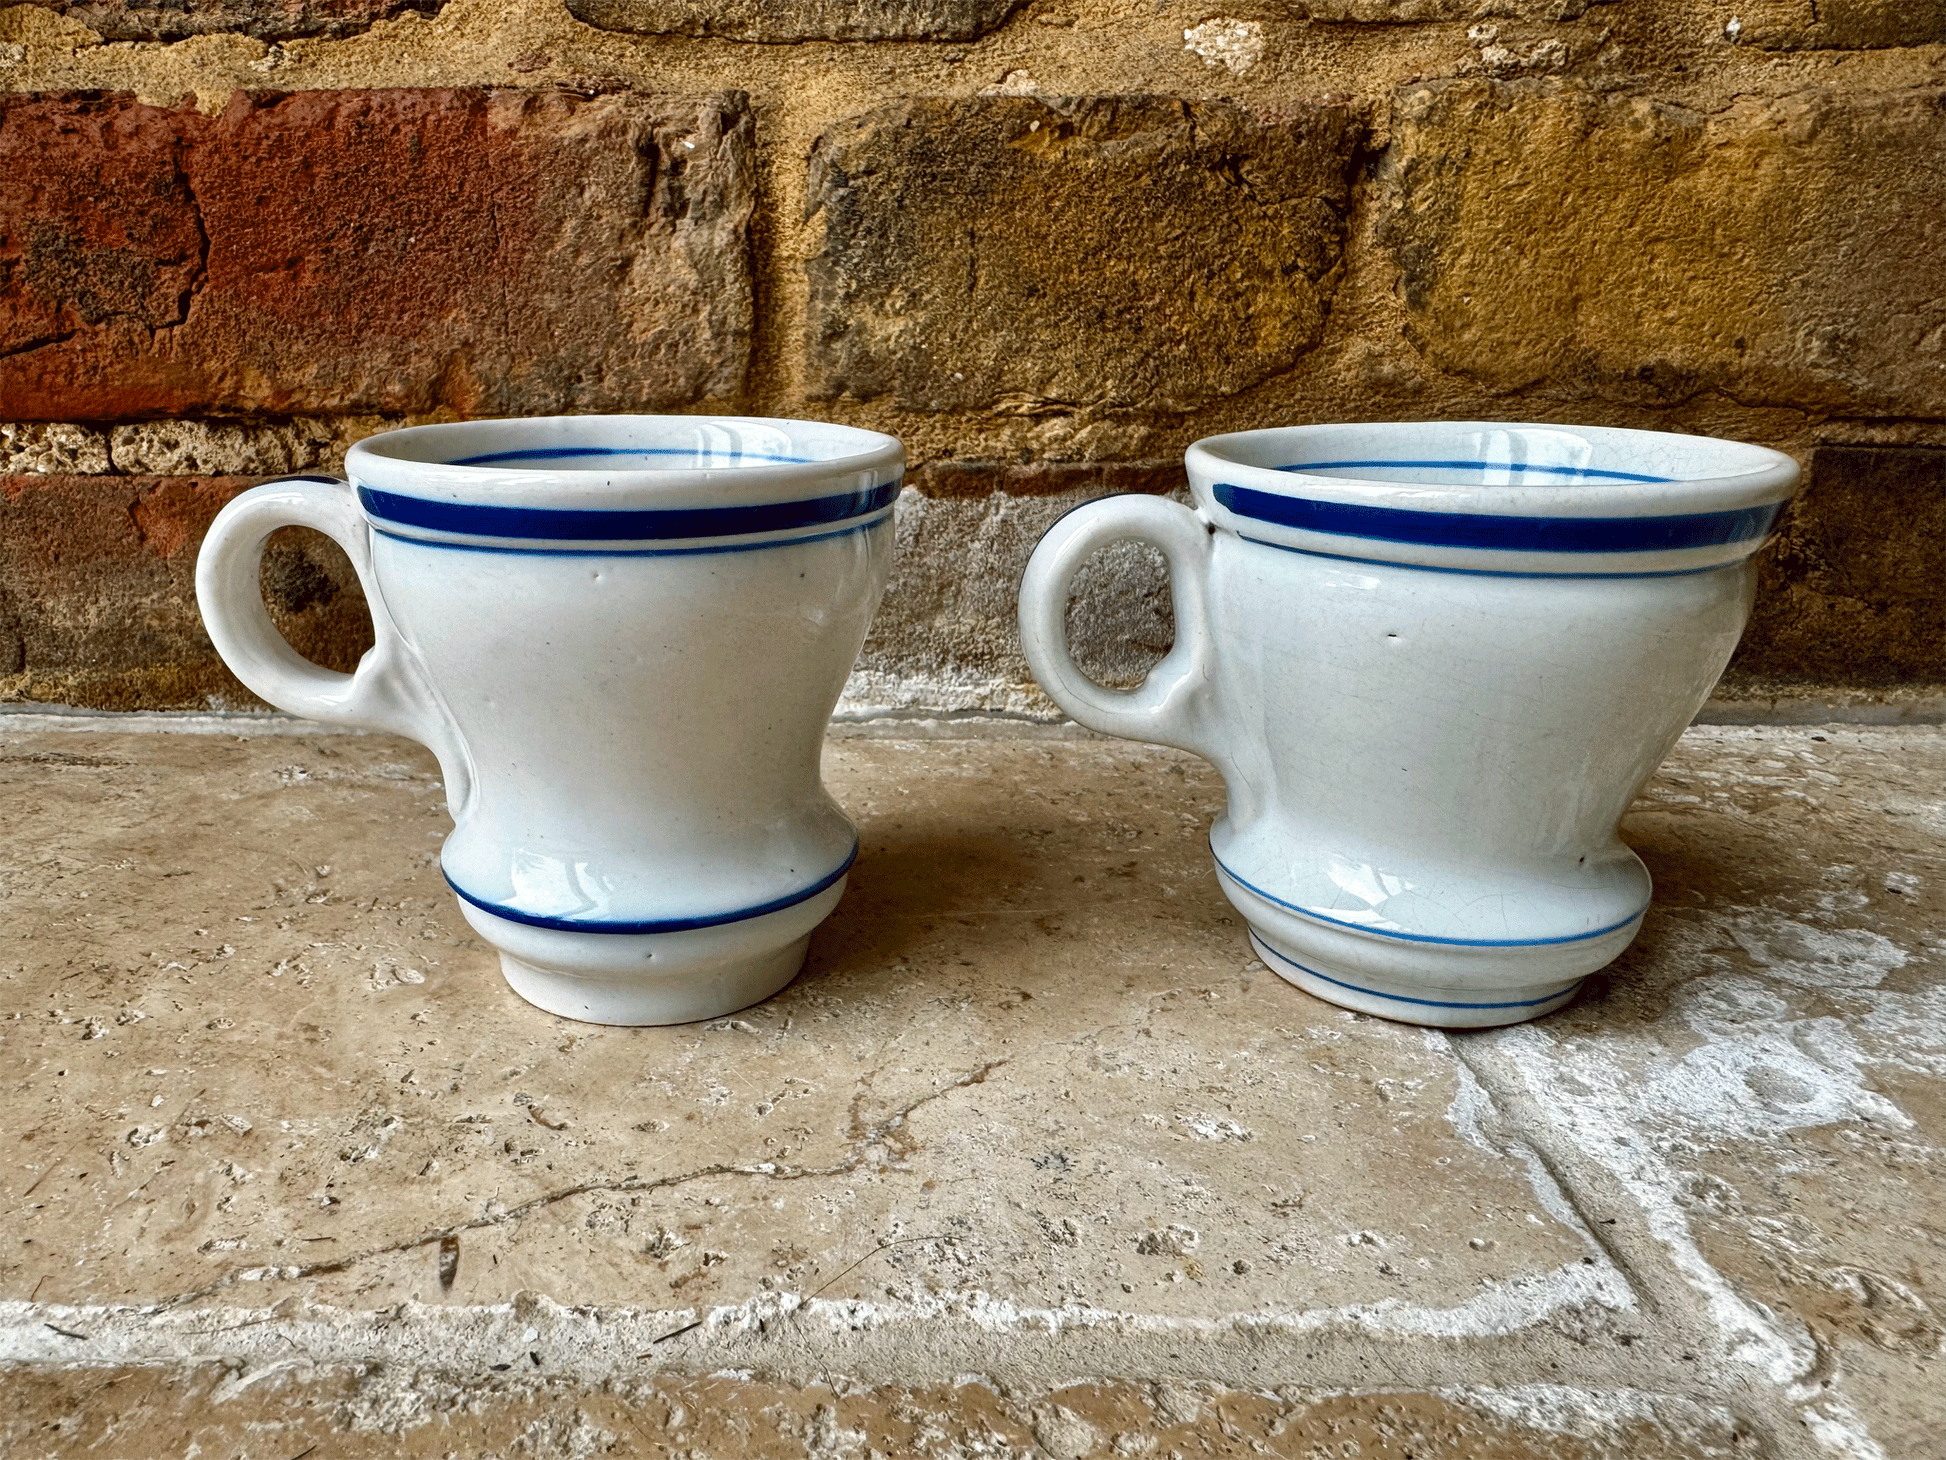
1612, 502
1769, 476
455, 472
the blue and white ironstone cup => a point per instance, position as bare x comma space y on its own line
622, 637
1434, 663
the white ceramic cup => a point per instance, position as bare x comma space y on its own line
623, 637
1434, 663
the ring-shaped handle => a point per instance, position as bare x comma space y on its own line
388, 691
1175, 704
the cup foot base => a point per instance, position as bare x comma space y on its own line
1442, 1008
633, 999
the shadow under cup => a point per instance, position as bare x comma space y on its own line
623, 638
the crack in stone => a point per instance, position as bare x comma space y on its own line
1542, 1164
887, 1133
1674, 1269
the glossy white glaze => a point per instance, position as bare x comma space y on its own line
622, 637
1434, 663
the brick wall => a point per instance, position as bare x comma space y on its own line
1047, 242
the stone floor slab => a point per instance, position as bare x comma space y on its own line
1761, 1080
1032, 1114
254, 1050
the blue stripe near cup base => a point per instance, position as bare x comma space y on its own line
702, 550
1317, 916
1498, 532
655, 925
630, 525
1269, 952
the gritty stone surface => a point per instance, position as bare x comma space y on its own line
1385, 12
477, 251
98, 596
1854, 592
51, 446
211, 1409
221, 448
1762, 1080
1790, 25
1022, 254
1235, 45
1143, 1134
955, 477
1679, 252
277, 1133
170, 20
801, 20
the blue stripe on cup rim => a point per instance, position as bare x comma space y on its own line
656, 524
1498, 531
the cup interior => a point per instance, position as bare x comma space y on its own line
610, 444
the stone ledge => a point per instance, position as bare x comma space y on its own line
1032, 1114
391, 1412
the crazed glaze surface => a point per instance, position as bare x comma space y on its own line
622, 636
1435, 663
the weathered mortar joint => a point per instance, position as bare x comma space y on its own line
171, 20
790, 21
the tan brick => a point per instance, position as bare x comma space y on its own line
98, 598
1780, 252
1854, 593
481, 252
1794, 25
168, 20
801, 20
1017, 254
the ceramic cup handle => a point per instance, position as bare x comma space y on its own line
1174, 705
388, 690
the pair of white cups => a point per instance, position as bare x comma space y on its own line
1433, 662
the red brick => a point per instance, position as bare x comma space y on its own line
475, 251
98, 596
168, 20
